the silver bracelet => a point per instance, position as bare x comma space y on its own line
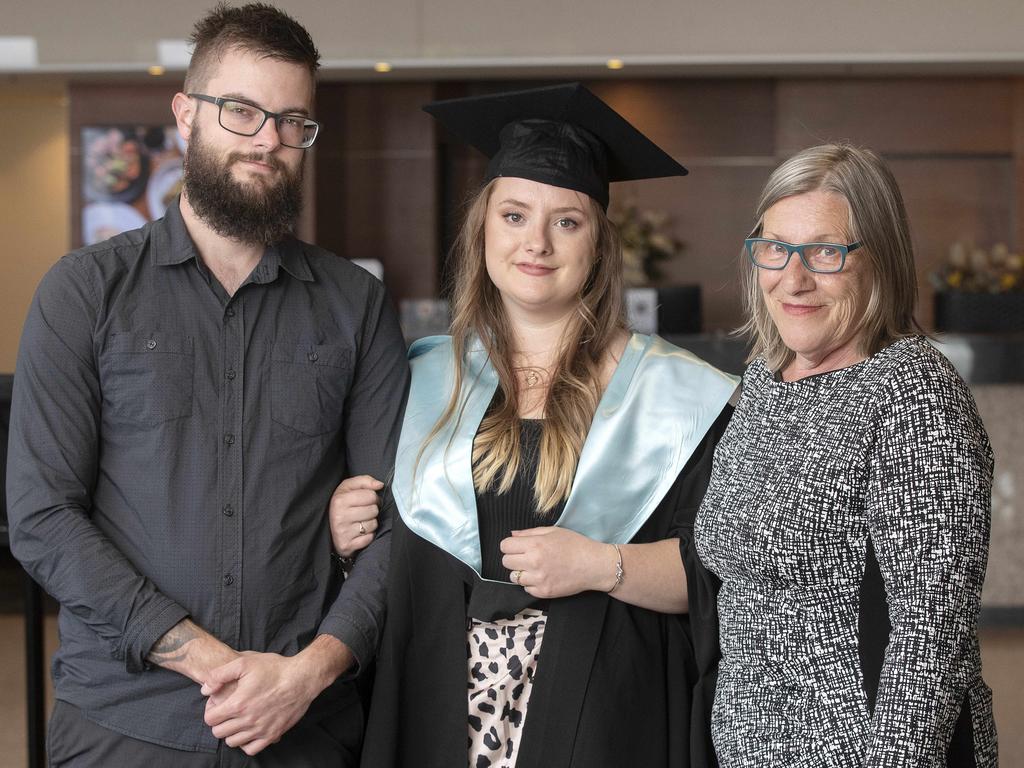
620, 575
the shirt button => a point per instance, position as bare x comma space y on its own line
228, 579
229, 439
151, 344
230, 374
313, 357
228, 510
230, 312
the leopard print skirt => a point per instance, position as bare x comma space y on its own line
502, 663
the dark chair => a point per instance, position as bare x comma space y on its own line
33, 606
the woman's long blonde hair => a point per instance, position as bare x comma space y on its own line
575, 381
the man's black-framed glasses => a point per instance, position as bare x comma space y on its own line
817, 257
247, 119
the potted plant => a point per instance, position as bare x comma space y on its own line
979, 291
646, 247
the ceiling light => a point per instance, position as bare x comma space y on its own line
173, 54
18, 52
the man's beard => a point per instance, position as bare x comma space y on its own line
258, 213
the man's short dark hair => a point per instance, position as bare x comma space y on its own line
256, 28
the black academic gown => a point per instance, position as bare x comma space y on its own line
616, 685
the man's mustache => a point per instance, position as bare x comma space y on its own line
257, 157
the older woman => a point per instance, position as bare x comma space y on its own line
848, 510
549, 469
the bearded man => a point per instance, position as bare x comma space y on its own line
187, 397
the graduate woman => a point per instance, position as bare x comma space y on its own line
547, 478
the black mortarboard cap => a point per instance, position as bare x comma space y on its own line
561, 135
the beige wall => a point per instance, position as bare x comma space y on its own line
1001, 654
34, 207
785, 30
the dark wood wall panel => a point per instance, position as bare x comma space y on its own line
951, 199
377, 181
389, 215
956, 145
1018, 164
896, 116
366, 117
94, 104
699, 118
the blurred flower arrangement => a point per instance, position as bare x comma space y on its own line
646, 246
975, 270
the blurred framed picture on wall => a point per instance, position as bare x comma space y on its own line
130, 174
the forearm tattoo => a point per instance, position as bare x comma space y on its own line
170, 647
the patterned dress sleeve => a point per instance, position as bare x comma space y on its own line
929, 508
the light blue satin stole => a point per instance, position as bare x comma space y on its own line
658, 406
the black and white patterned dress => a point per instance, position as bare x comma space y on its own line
848, 518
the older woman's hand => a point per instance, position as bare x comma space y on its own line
557, 562
353, 513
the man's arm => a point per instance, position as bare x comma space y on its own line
373, 420
52, 468
189, 650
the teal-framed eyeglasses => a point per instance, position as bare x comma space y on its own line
816, 257
247, 119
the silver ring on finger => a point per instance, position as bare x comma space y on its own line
362, 528
515, 576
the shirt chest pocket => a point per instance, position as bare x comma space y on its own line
147, 377
308, 385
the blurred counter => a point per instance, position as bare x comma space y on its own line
981, 358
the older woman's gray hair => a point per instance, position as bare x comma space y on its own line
878, 220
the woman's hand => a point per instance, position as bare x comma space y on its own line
556, 562
353, 513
